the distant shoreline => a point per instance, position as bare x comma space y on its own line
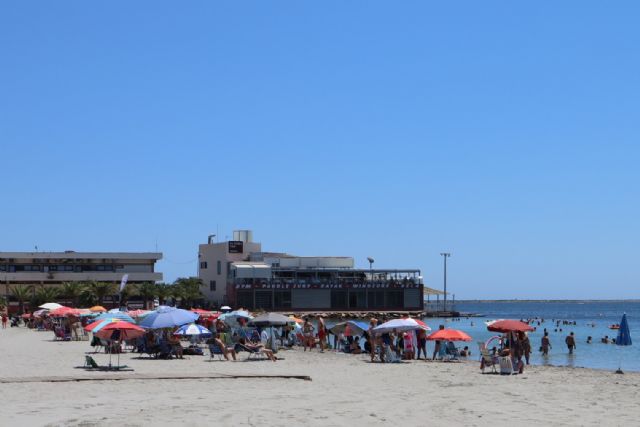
589, 301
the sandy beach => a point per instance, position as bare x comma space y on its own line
344, 390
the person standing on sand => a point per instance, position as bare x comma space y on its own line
307, 333
571, 342
322, 333
525, 345
372, 338
422, 343
545, 344
4, 320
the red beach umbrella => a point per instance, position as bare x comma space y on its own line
509, 326
449, 335
120, 331
60, 311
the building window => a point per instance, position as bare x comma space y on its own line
395, 299
212, 285
203, 265
219, 267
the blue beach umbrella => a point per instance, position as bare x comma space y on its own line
623, 338
168, 317
120, 316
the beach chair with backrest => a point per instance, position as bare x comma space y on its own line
486, 359
254, 353
452, 352
215, 350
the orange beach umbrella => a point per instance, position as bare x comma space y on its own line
449, 335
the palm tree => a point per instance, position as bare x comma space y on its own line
21, 293
46, 294
147, 291
163, 291
188, 289
96, 291
72, 291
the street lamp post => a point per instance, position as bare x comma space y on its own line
445, 255
371, 261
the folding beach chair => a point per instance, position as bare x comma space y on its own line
487, 359
215, 350
255, 353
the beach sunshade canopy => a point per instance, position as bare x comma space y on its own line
120, 331
120, 316
95, 326
192, 330
78, 312
98, 309
138, 313
40, 313
26, 316
234, 316
168, 317
400, 325
624, 335
50, 306
60, 311
449, 335
270, 319
352, 326
296, 319
507, 325
225, 307
205, 313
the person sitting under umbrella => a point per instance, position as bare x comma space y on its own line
225, 350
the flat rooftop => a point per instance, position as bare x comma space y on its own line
81, 255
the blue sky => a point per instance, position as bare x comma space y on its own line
504, 133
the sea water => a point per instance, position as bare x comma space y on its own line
592, 318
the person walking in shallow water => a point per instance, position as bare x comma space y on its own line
571, 342
545, 344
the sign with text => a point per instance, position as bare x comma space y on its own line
236, 247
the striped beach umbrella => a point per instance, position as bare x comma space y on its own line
192, 330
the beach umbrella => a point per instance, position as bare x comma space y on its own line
138, 313
120, 316
60, 311
78, 312
40, 313
233, 316
506, 325
119, 331
168, 317
449, 335
192, 330
225, 308
50, 306
205, 313
296, 319
98, 309
400, 325
354, 326
270, 319
96, 325
623, 338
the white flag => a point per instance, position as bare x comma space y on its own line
124, 282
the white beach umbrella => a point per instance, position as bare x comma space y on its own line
50, 306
